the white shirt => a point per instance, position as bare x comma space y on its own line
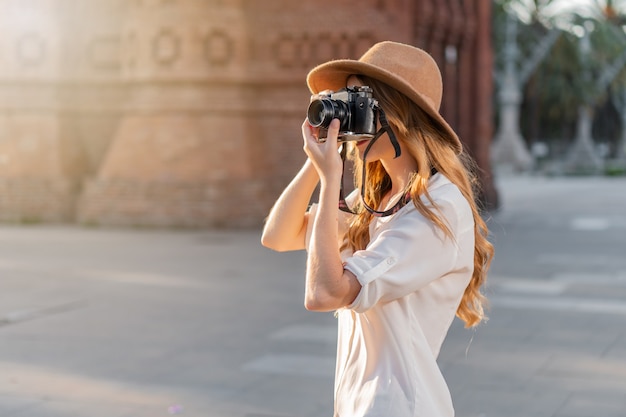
413, 278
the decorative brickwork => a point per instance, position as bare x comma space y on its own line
188, 113
33, 184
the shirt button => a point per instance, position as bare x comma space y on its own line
391, 261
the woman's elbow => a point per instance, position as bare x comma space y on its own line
314, 305
282, 242
267, 241
273, 243
269, 238
316, 302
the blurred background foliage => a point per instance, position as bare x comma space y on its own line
572, 74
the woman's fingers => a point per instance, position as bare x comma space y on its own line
333, 130
323, 151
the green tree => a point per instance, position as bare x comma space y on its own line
568, 77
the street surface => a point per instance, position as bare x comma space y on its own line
148, 323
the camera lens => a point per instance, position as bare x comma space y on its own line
322, 112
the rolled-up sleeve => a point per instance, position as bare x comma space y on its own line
406, 255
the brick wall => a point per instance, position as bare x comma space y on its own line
172, 113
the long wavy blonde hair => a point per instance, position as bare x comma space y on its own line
422, 138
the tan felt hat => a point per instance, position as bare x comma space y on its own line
408, 69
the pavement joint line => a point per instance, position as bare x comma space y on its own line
293, 364
131, 277
591, 224
615, 279
306, 333
573, 260
20, 316
528, 286
268, 415
572, 304
556, 285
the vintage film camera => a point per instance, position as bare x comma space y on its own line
355, 108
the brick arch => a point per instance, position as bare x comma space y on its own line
179, 108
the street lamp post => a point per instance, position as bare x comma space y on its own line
619, 100
582, 157
509, 150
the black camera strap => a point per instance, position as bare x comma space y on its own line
384, 127
406, 197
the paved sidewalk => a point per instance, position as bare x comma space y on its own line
140, 323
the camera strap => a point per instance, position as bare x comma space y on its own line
384, 127
406, 197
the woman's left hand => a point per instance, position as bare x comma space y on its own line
323, 153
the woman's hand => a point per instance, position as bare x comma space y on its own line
328, 286
323, 154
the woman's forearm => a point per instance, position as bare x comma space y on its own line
285, 227
324, 280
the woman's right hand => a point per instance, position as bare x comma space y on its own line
323, 153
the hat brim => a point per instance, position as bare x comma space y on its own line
333, 75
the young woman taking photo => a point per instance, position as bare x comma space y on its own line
402, 254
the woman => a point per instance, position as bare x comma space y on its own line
413, 254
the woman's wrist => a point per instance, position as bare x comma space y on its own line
331, 179
330, 185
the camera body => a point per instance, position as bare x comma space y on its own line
355, 107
